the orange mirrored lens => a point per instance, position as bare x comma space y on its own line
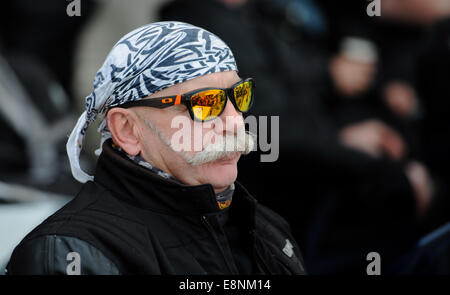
208, 104
243, 96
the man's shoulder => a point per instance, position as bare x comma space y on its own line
276, 232
59, 255
88, 227
94, 205
93, 212
272, 226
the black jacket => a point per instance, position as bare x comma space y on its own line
131, 221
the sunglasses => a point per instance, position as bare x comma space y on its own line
207, 103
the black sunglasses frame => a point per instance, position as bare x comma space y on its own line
168, 101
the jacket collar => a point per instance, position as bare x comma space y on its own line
142, 188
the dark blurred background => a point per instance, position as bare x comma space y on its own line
363, 102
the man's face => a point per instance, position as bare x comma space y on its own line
156, 134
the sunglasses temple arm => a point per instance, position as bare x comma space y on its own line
160, 102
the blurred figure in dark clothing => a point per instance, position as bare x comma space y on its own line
393, 97
432, 76
353, 196
422, 12
412, 37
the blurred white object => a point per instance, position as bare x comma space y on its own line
18, 109
360, 50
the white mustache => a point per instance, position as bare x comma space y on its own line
222, 148
225, 147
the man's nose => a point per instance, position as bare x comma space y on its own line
232, 119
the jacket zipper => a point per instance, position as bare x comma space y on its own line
211, 230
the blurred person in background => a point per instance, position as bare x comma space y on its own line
385, 116
432, 76
408, 92
361, 186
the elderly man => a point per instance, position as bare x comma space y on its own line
156, 205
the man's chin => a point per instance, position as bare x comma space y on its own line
222, 172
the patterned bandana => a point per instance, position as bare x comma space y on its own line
144, 61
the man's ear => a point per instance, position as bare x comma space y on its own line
122, 123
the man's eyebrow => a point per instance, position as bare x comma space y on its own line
182, 91
158, 94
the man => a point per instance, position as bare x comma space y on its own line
156, 205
